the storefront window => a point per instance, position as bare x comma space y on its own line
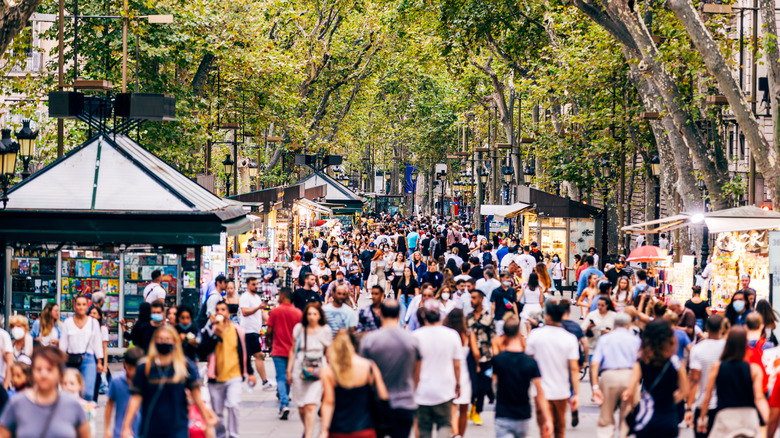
33, 281
138, 270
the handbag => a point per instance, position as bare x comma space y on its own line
643, 412
310, 366
75, 359
381, 412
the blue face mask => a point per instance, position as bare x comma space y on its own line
739, 305
157, 317
185, 327
507, 283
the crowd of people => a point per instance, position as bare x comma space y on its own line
454, 320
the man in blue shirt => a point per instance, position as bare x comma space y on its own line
501, 251
119, 394
411, 240
591, 269
614, 355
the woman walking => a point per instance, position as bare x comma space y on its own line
82, 341
159, 390
407, 289
311, 339
398, 271
738, 385
188, 333
662, 377
460, 406
349, 383
96, 313
534, 299
231, 298
378, 266
41, 410
622, 294
46, 330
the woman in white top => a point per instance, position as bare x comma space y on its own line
47, 329
557, 271
599, 321
378, 265
445, 297
622, 294
20, 333
295, 267
95, 312
460, 406
82, 341
534, 298
321, 269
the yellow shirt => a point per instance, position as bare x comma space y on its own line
227, 356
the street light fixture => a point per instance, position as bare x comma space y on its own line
228, 163
528, 175
8, 151
606, 170
508, 172
26, 137
655, 165
252, 170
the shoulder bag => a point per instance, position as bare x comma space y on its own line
643, 412
310, 366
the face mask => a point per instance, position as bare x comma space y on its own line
555, 259
507, 283
17, 332
445, 296
739, 306
157, 317
163, 348
185, 327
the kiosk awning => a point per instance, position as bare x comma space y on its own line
733, 219
501, 212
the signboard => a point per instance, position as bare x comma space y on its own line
682, 280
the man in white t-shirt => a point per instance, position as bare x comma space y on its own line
488, 283
154, 291
252, 305
438, 386
526, 262
510, 257
556, 351
703, 356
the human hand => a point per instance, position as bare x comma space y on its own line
289, 379
252, 380
211, 418
127, 432
626, 396
547, 428
574, 401
688, 418
99, 367
702, 426
598, 396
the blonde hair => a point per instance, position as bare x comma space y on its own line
20, 321
47, 322
75, 373
179, 361
340, 356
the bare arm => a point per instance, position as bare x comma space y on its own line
574, 369
682, 384
107, 420
132, 410
758, 382
208, 414
417, 368
456, 366
541, 402
246, 311
9, 361
83, 430
633, 384
705, 403
4, 433
328, 400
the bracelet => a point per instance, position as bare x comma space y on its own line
595, 386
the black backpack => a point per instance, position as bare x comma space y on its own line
487, 259
305, 269
203, 318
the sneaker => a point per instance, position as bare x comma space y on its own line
472, 411
575, 418
477, 419
284, 413
269, 385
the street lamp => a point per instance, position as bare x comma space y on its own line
606, 169
442, 177
8, 150
26, 137
483, 176
528, 175
655, 167
228, 163
508, 173
252, 170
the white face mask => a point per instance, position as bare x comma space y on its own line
445, 296
17, 332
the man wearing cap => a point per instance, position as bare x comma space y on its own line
619, 271
536, 253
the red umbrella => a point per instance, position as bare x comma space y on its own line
647, 253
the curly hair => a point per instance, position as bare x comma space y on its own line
657, 342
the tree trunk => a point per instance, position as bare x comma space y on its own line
714, 177
202, 74
765, 156
13, 19
773, 63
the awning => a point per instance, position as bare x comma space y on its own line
733, 219
314, 206
502, 212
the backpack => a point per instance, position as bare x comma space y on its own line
487, 258
755, 355
203, 318
305, 269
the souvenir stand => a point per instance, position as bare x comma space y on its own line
741, 246
102, 218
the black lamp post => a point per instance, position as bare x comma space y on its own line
442, 177
228, 163
26, 137
655, 167
705, 232
528, 175
507, 173
8, 152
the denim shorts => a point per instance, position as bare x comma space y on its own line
509, 428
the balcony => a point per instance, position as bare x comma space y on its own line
32, 64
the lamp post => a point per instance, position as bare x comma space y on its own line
26, 137
508, 173
705, 232
528, 175
442, 178
606, 173
228, 163
414, 174
655, 167
8, 151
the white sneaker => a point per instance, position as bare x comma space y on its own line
284, 413
269, 385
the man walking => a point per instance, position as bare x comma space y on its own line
306, 294
611, 365
483, 329
154, 291
281, 321
703, 357
591, 269
397, 354
555, 351
365, 258
228, 364
369, 318
514, 372
526, 262
440, 351
411, 240
339, 315
252, 305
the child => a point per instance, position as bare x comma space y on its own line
119, 395
21, 375
73, 382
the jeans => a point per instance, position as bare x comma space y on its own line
403, 302
226, 396
280, 364
700, 324
88, 370
509, 428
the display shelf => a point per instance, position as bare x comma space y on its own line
33, 281
138, 268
